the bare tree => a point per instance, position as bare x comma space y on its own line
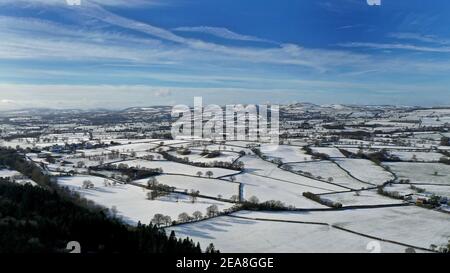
197, 215
212, 211
184, 217
209, 174
158, 219
87, 184
194, 195
153, 194
152, 182
167, 220
253, 200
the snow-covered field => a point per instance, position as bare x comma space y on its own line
85, 161
422, 173
229, 148
330, 151
94, 152
131, 201
252, 236
286, 153
257, 166
326, 170
418, 156
407, 224
400, 189
280, 172
266, 189
174, 143
25, 181
176, 168
145, 154
440, 190
195, 156
428, 136
361, 198
206, 186
134, 147
241, 143
16, 177
365, 170
5, 173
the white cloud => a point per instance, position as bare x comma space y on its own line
36, 39
122, 96
221, 33
130, 2
127, 3
6, 101
40, 39
43, 40
163, 92
420, 37
397, 46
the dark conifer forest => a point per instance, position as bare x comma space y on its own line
44, 219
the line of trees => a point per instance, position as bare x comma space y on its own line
161, 220
323, 201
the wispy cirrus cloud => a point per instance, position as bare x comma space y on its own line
123, 3
35, 39
46, 39
396, 46
96, 50
420, 37
416, 42
222, 33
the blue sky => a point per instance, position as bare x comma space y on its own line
119, 53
